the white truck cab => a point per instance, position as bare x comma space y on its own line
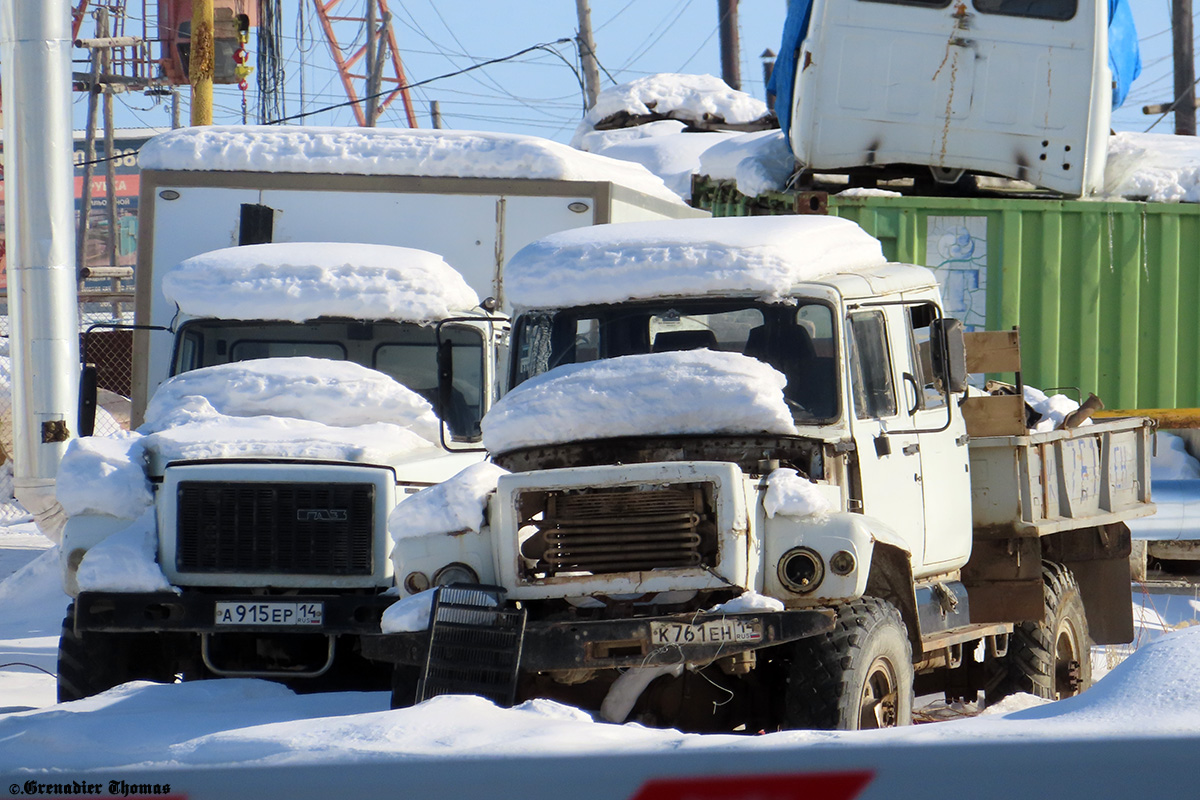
1012, 88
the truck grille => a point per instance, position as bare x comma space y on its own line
620, 530
285, 528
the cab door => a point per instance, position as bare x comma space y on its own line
887, 452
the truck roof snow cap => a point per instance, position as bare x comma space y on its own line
760, 256
298, 281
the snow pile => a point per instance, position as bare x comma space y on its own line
456, 505
1157, 167
1052, 409
758, 162
335, 393
1172, 462
687, 97
127, 561
695, 391
104, 475
686, 258
387, 151
660, 147
408, 614
299, 281
863, 191
748, 601
790, 495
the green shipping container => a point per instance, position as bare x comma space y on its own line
1106, 294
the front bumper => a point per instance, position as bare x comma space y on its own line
194, 612
601, 644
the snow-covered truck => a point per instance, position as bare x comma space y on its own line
473, 198
738, 485
242, 530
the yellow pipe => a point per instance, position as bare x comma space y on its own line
202, 62
1165, 417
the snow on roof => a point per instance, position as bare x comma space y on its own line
298, 281
338, 393
660, 147
692, 96
758, 162
765, 256
387, 151
695, 391
1158, 167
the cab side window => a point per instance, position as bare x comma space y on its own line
871, 366
1058, 10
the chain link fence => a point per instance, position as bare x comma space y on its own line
110, 349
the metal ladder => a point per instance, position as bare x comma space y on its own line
474, 645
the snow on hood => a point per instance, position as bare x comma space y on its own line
287, 408
790, 495
298, 281
387, 151
334, 393
690, 257
758, 162
695, 391
691, 96
1158, 167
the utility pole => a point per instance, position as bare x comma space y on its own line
89, 148
435, 113
202, 62
1185, 68
587, 52
372, 85
731, 70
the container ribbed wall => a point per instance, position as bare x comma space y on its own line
1107, 294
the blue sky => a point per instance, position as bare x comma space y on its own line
538, 93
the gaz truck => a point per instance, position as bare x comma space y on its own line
267, 243
742, 483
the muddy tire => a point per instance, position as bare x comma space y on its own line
1050, 659
93, 662
858, 676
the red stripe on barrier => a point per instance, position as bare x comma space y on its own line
803, 786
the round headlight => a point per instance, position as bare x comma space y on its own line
801, 570
416, 582
842, 562
454, 573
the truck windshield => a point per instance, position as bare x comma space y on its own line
405, 351
798, 340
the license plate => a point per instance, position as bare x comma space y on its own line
303, 614
717, 631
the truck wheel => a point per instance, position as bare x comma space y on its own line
856, 677
93, 662
1052, 658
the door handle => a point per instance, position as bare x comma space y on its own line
911, 449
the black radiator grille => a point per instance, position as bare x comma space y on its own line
286, 528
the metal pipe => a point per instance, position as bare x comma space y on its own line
35, 48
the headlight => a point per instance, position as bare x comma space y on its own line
801, 570
454, 573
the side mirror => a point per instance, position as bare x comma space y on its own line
949, 354
87, 400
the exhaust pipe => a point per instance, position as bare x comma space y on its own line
35, 48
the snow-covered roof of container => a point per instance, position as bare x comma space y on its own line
298, 281
764, 256
387, 151
691, 96
1158, 167
694, 391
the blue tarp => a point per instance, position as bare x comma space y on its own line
1123, 57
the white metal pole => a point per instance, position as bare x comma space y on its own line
35, 48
